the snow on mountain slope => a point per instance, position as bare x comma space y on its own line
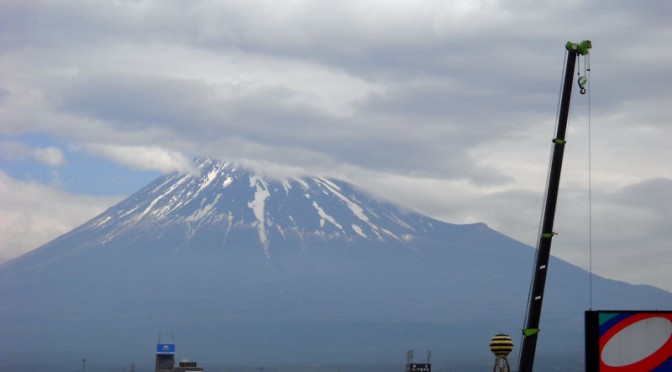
233, 198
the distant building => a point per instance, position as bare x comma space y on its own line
418, 367
165, 361
185, 366
165, 357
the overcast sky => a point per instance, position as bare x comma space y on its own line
445, 107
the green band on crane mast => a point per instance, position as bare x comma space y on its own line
530, 331
580, 48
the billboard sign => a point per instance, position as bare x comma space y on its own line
165, 348
620, 341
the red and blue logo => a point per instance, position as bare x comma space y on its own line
635, 341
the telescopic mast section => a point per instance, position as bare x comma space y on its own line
531, 331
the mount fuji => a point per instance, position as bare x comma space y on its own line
239, 267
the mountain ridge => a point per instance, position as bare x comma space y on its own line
194, 201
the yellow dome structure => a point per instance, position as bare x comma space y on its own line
501, 345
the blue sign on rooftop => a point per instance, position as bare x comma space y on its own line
165, 348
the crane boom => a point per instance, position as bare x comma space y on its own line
531, 331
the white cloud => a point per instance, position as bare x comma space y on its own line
33, 214
144, 157
50, 156
21, 151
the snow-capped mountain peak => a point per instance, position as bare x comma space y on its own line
232, 198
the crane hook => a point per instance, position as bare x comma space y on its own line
582, 84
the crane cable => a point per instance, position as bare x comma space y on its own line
590, 191
584, 82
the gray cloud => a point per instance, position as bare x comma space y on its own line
446, 107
